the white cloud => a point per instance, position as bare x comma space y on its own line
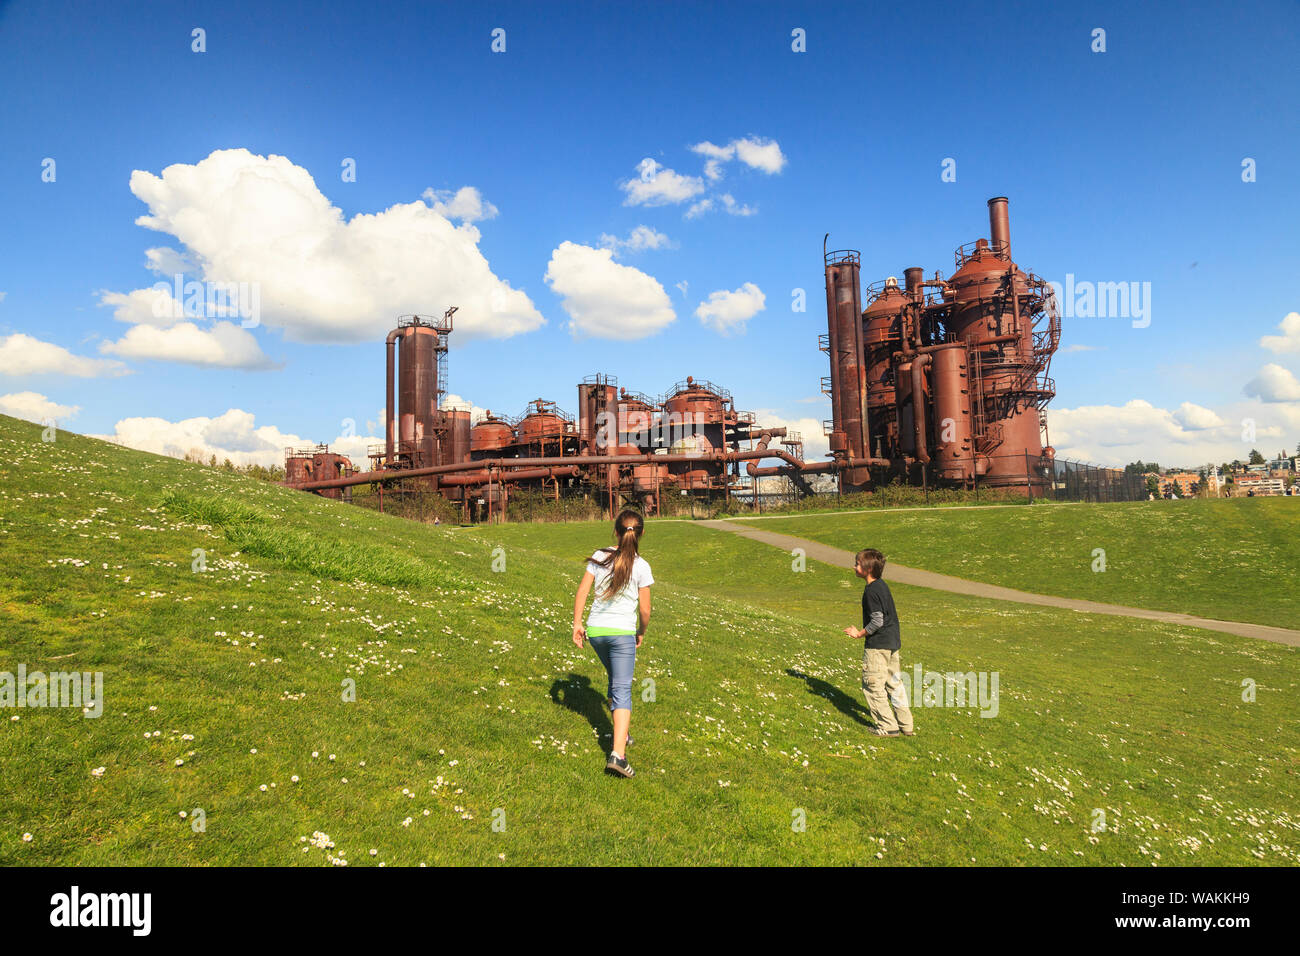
224, 345
1196, 417
2, 296
167, 261
754, 151
729, 205
466, 204
682, 287
1289, 340
34, 407
604, 298
734, 208
656, 185
234, 434
24, 355
1274, 384
242, 217
1115, 435
639, 239
727, 312
699, 208
1080, 348
152, 306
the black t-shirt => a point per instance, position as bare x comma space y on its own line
876, 597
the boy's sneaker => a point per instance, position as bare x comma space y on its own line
908, 733
619, 765
885, 733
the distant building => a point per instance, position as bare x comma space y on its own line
1184, 484
1259, 484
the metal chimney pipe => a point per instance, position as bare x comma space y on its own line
389, 424
1000, 227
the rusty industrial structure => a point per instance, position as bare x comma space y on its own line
942, 380
937, 380
623, 447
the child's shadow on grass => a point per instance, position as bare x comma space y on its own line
845, 704
576, 693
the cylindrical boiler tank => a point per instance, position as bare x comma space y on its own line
490, 436
953, 449
417, 401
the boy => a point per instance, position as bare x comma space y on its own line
881, 671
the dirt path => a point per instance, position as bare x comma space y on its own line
946, 582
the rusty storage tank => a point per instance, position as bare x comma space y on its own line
695, 419
988, 289
318, 464
953, 449
414, 425
882, 331
490, 436
597, 413
455, 448
543, 423
849, 374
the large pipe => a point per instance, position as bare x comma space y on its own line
389, 424
919, 365
482, 477
1000, 227
506, 464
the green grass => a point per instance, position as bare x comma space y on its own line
473, 705
1230, 559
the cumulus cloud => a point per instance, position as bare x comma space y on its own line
234, 434
224, 345
1115, 435
1289, 340
639, 239
24, 355
466, 204
604, 298
1197, 417
241, 217
34, 407
725, 201
1274, 383
698, 209
728, 312
656, 185
754, 151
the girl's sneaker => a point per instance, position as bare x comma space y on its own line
619, 765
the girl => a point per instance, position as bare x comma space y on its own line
622, 579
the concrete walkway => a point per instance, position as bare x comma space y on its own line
838, 557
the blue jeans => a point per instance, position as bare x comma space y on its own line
618, 653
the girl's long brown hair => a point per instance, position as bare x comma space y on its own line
627, 532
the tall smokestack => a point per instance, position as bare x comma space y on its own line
1000, 227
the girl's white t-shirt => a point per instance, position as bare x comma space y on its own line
617, 610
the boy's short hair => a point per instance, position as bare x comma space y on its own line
871, 561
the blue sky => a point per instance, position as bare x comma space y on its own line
1120, 166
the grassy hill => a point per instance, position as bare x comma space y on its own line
1231, 559
476, 735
